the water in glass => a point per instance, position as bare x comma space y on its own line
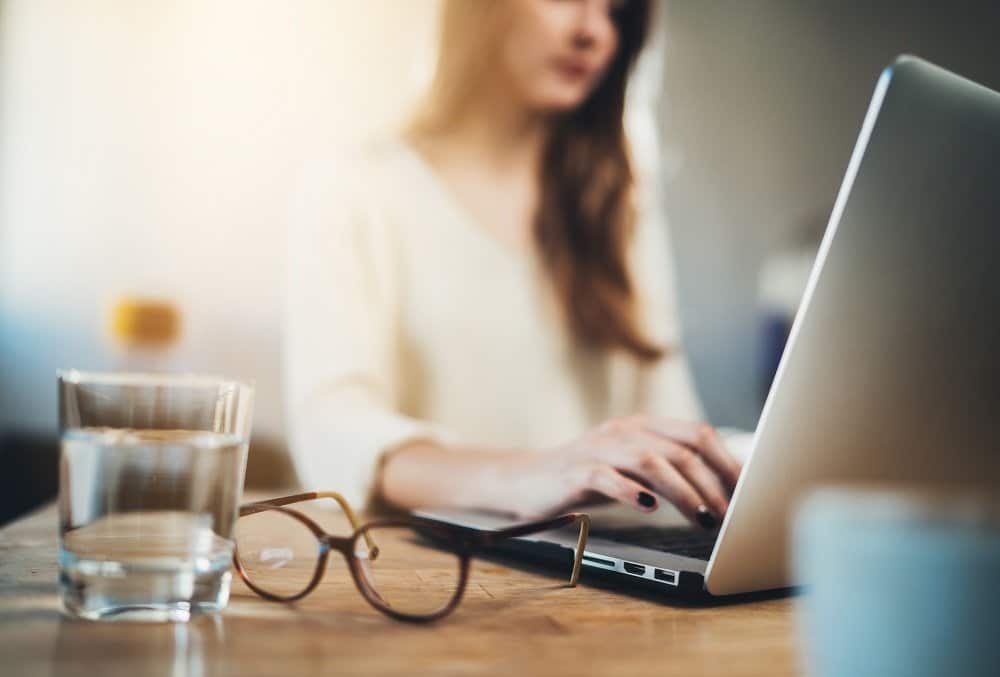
146, 521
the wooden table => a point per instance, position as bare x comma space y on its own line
512, 621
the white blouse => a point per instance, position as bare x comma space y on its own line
407, 320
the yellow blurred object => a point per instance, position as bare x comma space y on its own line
145, 322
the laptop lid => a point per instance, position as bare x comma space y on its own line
892, 370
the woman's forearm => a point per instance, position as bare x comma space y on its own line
630, 460
427, 473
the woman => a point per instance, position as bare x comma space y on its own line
480, 314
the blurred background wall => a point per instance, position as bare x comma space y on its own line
149, 147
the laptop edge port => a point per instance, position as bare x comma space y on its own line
635, 569
599, 561
665, 576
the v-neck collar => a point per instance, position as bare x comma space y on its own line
458, 209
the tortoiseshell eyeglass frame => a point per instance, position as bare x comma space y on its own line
463, 541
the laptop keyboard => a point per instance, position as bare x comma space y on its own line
684, 541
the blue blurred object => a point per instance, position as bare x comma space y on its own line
782, 281
775, 329
900, 583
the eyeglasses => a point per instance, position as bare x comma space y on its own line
411, 569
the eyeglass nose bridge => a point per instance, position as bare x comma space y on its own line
341, 544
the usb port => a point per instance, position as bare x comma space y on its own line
635, 569
665, 576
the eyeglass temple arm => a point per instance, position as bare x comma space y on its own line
311, 495
355, 523
490, 537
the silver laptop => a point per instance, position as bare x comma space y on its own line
892, 370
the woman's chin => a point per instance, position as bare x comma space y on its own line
558, 101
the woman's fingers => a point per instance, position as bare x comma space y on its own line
607, 481
688, 463
667, 481
703, 439
702, 478
685, 463
645, 455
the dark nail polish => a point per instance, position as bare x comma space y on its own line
646, 499
706, 519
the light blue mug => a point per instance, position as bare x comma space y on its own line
898, 582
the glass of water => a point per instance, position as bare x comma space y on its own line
150, 482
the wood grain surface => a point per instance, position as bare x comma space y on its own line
513, 621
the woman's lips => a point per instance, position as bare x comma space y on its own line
572, 70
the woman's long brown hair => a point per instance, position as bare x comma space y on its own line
586, 214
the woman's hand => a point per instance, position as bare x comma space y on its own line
638, 461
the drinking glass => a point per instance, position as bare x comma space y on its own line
150, 481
